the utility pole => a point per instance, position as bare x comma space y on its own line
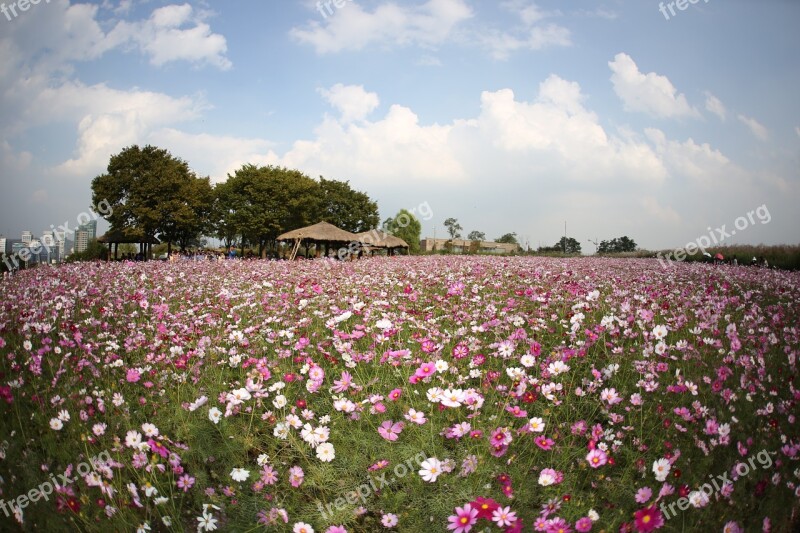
565, 237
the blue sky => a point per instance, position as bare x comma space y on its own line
506, 115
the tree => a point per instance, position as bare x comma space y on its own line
94, 251
263, 202
572, 246
508, 238
345, 207
154, 193
406, 226
476, 236
615, 246
453, 228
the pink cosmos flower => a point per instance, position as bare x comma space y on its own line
158, 448
543, 442
463, 519
596, 458
185, 482
583, 525
296, 476
643, 495
390, 430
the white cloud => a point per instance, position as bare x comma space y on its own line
650, 93
174, 33
756, 127
352, 101
353, 28
109, 119
664, 214
214, 155
714, 105
700, 163
530, 36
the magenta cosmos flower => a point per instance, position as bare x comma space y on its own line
648, 519
463, 519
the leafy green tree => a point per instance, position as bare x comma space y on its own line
453, 228
263, 202
345, 207
508, 238
94, 251
618, 245
406, 226
153, 192
476, 236
571, 246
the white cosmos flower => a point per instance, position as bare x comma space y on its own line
659, 332
537, 424
326, 452
56, 424
240, 474
430, 469
661, 468
214, 415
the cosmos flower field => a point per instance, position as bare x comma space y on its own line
400, 394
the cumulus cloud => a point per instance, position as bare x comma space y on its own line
352, 101
649, 93
699, 163
757, 129
174, 33
351, 27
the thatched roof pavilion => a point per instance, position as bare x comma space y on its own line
319, 233
380, 239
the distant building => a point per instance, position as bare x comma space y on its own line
61, 243
27, 237
461, 246
84, 234
3, 242
51, 246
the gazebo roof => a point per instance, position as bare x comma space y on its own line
381, 239
321, 231
126, 236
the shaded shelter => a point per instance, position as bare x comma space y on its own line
322, 233
376, 238
129, 236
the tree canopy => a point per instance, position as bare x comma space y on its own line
508, 238
618, 245
155, 193
406, 226
453, 228
476, 236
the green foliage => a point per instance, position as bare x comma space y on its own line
406, 226
566, 245
619, 245
508, 238
476, 236
94, 251
453, 228
345, 207
154, 193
